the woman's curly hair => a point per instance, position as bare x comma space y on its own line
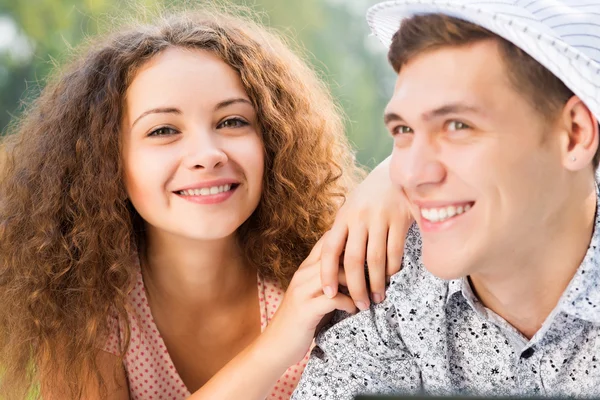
67, 231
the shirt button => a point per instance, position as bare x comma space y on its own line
527, 353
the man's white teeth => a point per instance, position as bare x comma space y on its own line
443, 213
206, 191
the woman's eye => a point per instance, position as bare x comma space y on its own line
163, 131
401, 129
232, 123
457, 126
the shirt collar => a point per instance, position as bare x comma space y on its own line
463, 286
582, 297
454, 286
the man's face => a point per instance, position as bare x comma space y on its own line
481, 168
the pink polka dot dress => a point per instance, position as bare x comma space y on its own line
150, 371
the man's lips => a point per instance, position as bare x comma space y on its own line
435, 211
441, 214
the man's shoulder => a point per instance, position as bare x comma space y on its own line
378, 350
414, 285
414, 297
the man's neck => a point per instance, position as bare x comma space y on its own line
525, 290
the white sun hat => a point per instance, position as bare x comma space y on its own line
563, 36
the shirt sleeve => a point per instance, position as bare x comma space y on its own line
362, 354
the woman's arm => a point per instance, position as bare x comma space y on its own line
250, 375
370, 226
286, 340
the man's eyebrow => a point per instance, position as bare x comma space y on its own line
452, 108
160, 110
391, 117
229, 102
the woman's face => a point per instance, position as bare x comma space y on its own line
192, 150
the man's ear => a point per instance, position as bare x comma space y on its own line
580, 130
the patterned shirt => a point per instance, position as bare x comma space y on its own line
434, 336
151, 374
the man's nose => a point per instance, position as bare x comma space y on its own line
418, 166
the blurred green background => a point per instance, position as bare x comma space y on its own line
35, 35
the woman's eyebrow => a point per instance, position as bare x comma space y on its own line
229, 102
172, 110
160, 110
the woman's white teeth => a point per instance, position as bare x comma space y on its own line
443, 213
206, 191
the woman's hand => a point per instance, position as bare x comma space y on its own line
303, 311
371, 226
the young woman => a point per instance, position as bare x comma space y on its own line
156, 201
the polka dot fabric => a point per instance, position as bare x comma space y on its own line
150, 371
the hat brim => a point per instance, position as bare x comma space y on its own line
575, 69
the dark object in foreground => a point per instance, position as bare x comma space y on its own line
423, 397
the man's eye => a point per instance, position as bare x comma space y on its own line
232, 123
457, 126
163, 131
401, 129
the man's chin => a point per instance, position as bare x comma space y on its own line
443, 269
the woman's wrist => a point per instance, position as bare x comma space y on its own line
250, 375
271, 351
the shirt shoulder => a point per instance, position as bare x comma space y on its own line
414, 286
366, 352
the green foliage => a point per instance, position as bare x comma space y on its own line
333, 32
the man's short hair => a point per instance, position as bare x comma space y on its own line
422, 33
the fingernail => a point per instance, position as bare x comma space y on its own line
328, 290
361, 305
377, 298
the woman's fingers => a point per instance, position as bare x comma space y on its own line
342, 277
315, 253
395, 246
308, 300
332, 250
307, 284
376, 261
354, 267
323, 305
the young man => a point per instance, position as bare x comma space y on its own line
495, 124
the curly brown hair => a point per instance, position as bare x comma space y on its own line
67, 231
